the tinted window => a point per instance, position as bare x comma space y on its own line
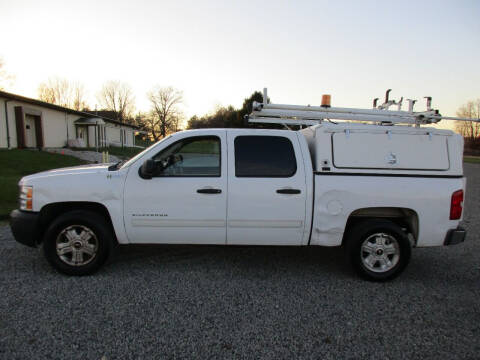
195, 156
264, 156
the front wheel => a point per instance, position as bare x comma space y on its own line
78, 242
379, 250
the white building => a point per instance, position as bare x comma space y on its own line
30, 123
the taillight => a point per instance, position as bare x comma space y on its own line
456, 205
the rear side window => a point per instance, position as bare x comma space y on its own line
264, 156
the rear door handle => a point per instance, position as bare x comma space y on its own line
288, 191
209, 191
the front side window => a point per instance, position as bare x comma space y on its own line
264, 156
195, 156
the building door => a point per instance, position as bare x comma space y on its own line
30, 134
82, 135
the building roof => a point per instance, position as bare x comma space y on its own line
103, 113
44, 104
89, 121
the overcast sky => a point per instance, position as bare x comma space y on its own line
219, 52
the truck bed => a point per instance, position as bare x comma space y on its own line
425, 200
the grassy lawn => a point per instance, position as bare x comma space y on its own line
123, 153
144, 143
18, 163
472, 159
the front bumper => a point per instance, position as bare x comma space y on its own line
24, 227
455, 236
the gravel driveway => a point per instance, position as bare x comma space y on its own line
220, 302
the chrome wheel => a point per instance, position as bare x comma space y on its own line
76, 245
380, 252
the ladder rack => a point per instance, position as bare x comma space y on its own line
268, 113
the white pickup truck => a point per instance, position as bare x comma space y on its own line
376, 190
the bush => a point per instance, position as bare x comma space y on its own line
472, 147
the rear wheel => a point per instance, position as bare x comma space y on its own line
378, 250
78, 242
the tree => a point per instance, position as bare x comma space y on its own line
247, 106
5, 78
226, 117
78, 97
62, 92
221, 117
468, 129
149, 122
141, 120
165, 115
118, 97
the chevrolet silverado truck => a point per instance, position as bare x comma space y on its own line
376, 190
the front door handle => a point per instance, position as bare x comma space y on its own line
209, 191
288, 191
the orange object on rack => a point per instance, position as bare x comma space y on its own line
326, 101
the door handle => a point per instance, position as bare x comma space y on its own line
288, 191
209, 191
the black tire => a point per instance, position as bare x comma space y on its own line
94, 227
363, 234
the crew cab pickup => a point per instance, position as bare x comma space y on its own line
377, 190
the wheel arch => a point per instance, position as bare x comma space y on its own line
50, 212
404, 217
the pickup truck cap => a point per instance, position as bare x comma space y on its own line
359, 148
386, 142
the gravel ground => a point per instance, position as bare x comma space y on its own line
218, 302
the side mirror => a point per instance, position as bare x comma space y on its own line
147, 169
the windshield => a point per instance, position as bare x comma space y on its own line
133, 159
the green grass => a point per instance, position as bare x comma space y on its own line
15, 164
472, 159
144, 143
123, 153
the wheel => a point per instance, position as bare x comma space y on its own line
378, 250
78, 242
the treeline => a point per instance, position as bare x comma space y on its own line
116, 99
225, 117
468, 129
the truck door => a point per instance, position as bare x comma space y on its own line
266, 188
185, 201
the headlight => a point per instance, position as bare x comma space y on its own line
26, 198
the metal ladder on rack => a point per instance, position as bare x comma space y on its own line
268, 113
